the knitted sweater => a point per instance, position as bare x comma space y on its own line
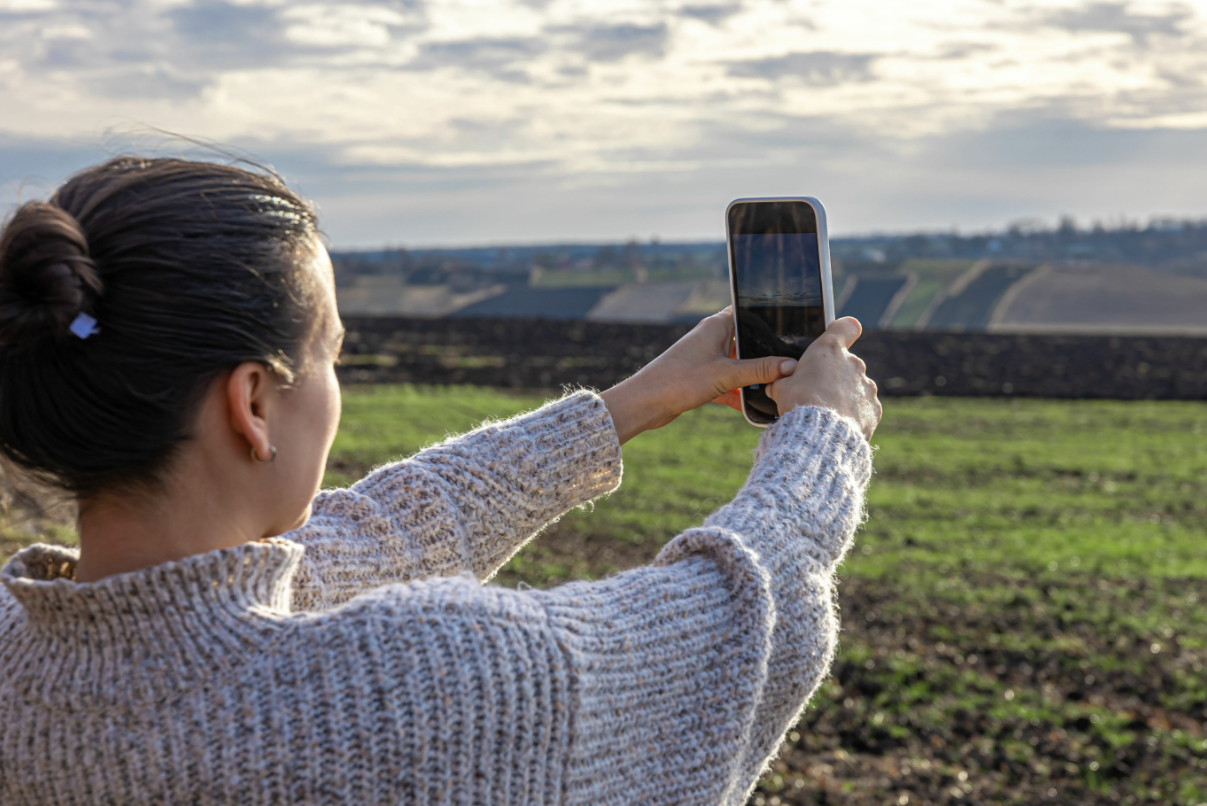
359, 660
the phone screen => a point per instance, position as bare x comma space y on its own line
776, 262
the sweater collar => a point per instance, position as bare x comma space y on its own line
170, 621
248, 577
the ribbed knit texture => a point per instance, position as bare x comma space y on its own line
358, 660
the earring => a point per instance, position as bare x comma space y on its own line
272, 458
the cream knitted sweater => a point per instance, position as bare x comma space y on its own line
359, 660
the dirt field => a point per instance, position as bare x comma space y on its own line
1107, 298
543, 354
999, 690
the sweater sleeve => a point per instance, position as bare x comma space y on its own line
467, 504
667, 684
798, 514
687, 673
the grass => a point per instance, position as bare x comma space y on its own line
1024, 606
1020, 487
1024, 612
1038, 486
915, 304
670, 483
933, 277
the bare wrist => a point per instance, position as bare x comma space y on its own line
633, 410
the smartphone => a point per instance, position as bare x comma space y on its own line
779, 275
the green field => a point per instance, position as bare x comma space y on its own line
1023, 613
1024, 606
1019, 487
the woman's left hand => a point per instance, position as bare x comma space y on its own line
696, 369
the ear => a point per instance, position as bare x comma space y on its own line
250, 392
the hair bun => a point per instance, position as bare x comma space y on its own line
46, 275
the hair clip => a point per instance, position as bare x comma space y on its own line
83, 326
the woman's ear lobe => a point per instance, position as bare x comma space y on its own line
248, 389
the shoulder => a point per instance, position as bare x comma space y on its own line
437, 646
460, 595
417, 610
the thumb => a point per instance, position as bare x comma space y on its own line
750, 371
847, 330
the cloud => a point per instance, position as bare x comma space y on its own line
501, 58
1022, 164
611, 43
1117, 18
353, 26
148, 50
26, 6
962, 50
711, 14
1025, 164
147, 82
818, 68
252, 33
217, 35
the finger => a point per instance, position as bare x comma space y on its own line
847, 330
723, 315
750, 371
726, 316
719, 326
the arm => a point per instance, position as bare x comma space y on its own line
735, 670
823, 464
668, 684
675, 683
717, 649
467, 504
665, 684
473, 501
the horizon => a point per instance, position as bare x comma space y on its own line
1029, 227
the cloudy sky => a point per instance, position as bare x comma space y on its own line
426, 122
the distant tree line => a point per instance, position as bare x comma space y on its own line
1162, 243
1166, 244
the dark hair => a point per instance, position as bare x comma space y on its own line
188, 268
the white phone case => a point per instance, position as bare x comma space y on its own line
827, 283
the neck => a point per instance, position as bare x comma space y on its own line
119, 535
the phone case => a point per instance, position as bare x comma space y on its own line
827, 283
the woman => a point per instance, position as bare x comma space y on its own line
168, 331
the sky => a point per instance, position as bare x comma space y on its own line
449, 122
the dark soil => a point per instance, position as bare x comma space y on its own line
1004, 691
541, 353
1097, 717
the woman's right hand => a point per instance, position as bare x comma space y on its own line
830, 376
